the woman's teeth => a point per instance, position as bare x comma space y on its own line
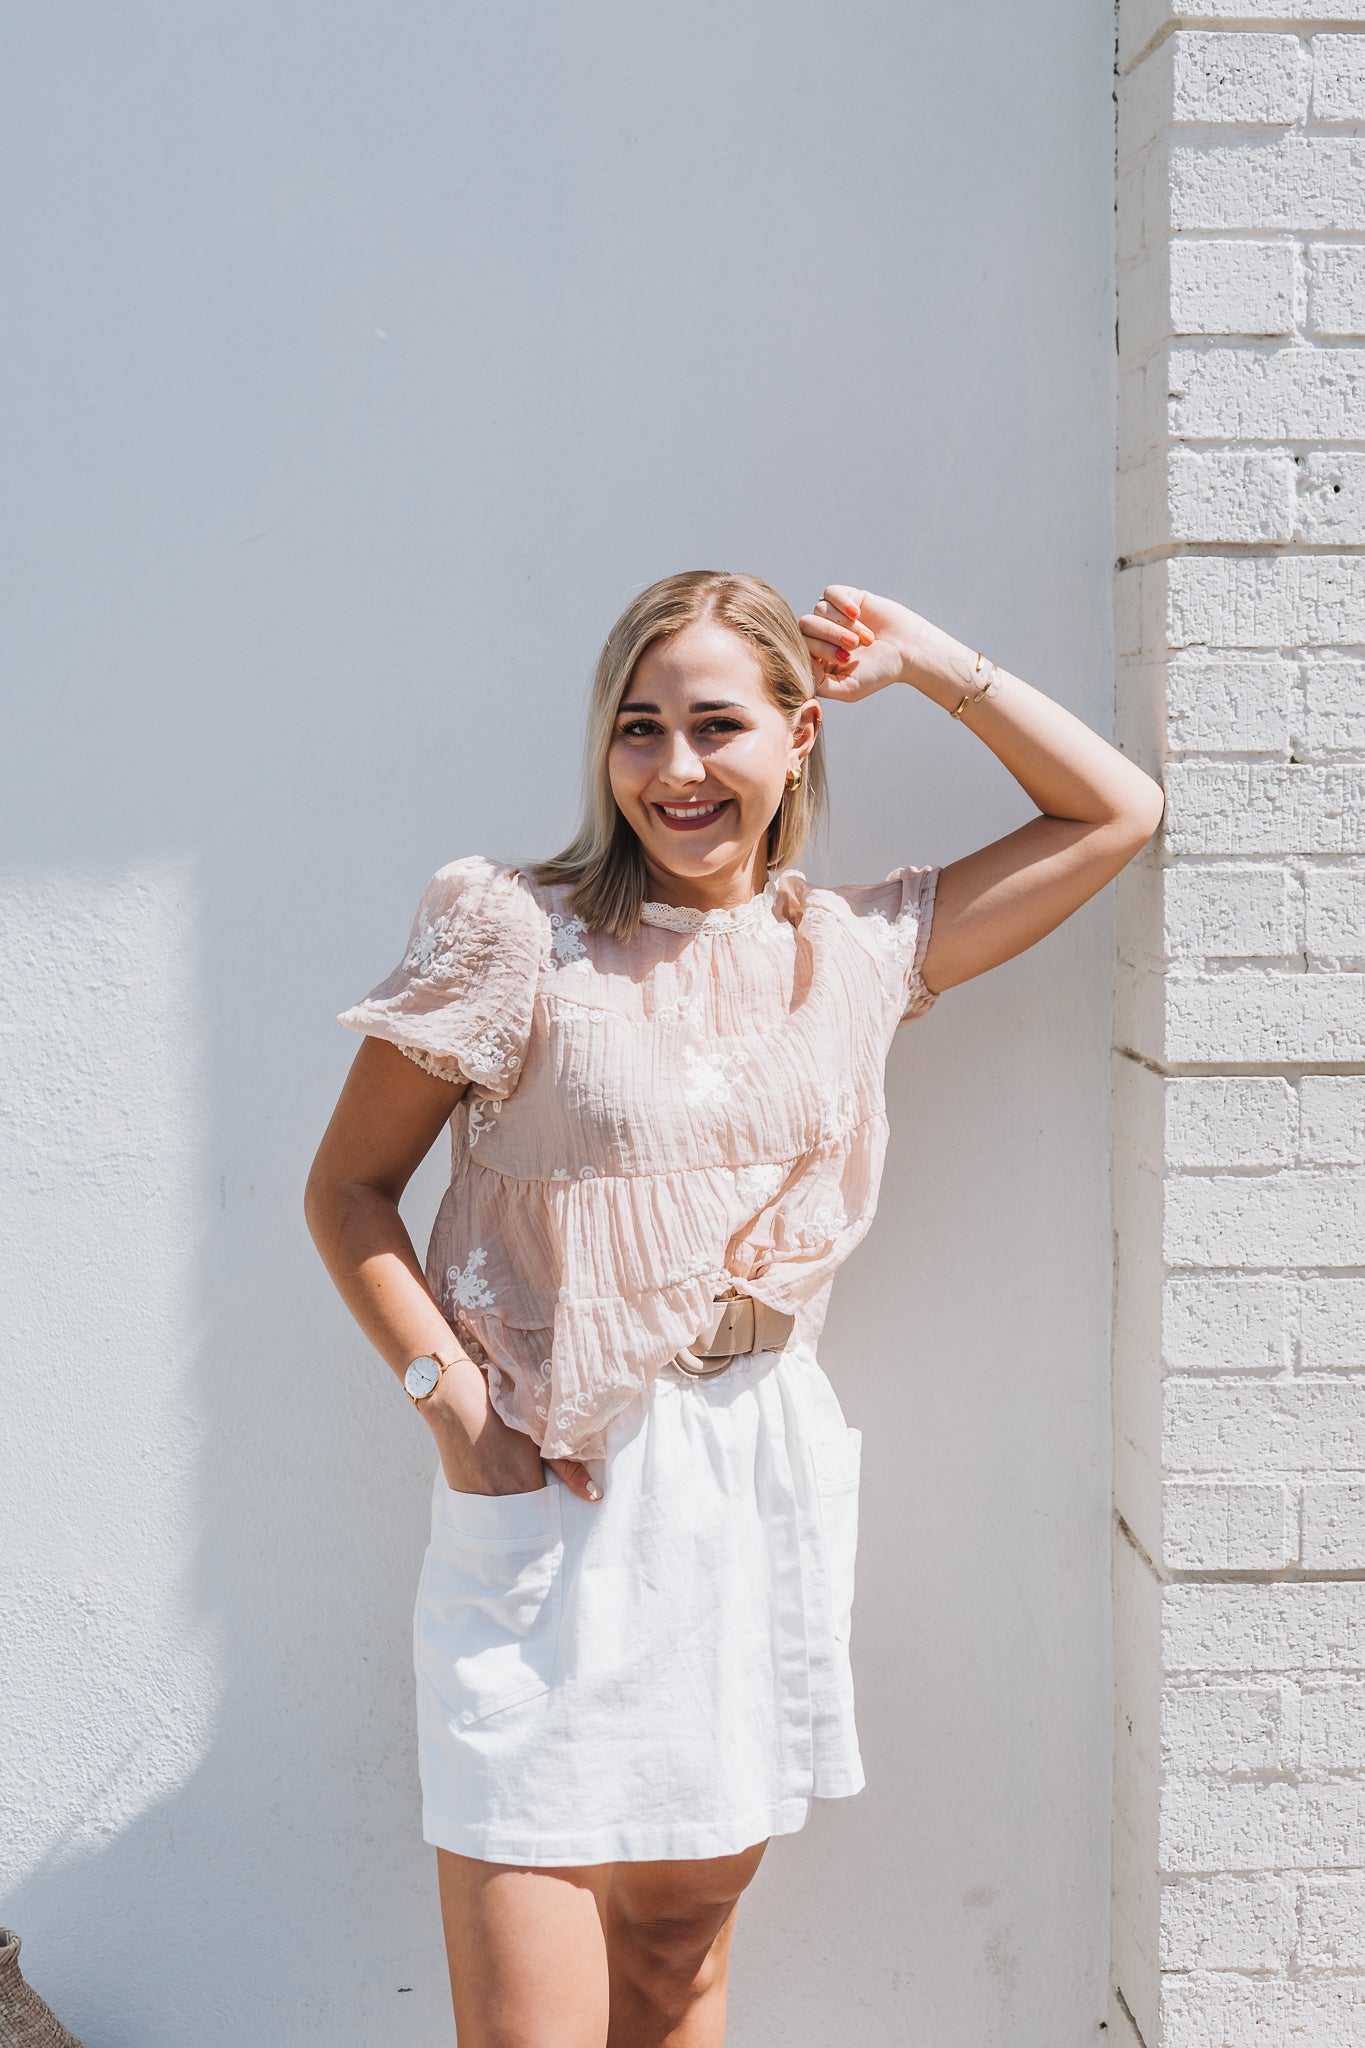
691, 817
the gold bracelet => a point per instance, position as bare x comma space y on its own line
989, 688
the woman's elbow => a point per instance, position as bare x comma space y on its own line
1142, 813
319, 1198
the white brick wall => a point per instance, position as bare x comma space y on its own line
1239, 1351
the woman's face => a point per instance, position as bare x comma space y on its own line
700, 755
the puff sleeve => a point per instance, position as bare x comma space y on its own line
460, 1001
896, 916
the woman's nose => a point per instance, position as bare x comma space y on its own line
680, 761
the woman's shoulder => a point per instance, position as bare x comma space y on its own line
902, 890
482, 901
890, 921
481, 880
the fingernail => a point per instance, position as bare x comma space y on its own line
594, 1491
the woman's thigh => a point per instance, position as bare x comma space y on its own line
528, 1946
698, 1890
527, 1952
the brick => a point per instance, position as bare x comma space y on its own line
1220, 1525
1334, 911
1332, 1923
1231, 287
1331, 1721
1259, 1018
1281, 1627
1228, 913
1300, 1218
1231, 494
1332, 1109
1220, 704
1332, 1325
1234, 1825
1333, 1528
1334, 705
1338, 78
1267, 394
1277, 601
1253, 79
1330, 508
1229, 1122
1142, 20
1221, 1425
1264, 807
1202, 78
1336, 288
1228, 1923
1212, 1324
1218, 2009
1293, 182
1223, 1728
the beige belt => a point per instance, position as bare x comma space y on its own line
739, 1325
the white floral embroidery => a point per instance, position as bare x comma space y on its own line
490, 1058
482, 1111
895, 936
838, 1111
587, 1173
582, 1404
826, 1223
684, 1010
757, 1184
540, 1391
429, 942
560, 1173
464, 1284
566, 940
710, 1075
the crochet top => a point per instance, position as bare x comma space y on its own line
646, 1122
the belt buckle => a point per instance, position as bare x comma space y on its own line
737, 1314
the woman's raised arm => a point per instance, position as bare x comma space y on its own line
1098, 808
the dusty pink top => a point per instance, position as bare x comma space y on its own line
649, 1121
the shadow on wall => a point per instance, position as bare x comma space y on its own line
212, 1789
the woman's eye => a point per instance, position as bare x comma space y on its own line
642, 728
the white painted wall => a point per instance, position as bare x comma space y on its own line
369, 359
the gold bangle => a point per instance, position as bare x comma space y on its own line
988, 689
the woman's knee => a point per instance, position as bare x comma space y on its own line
674, 1959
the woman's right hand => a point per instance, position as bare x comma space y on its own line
480, 1453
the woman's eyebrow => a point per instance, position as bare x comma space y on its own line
712, 704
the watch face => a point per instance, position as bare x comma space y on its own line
421, 1376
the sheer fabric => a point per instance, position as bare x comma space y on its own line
646, 1122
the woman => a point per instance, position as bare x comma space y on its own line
661, 1056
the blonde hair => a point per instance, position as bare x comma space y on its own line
603, 862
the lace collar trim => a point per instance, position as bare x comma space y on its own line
680, 917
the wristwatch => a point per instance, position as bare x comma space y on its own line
423, 1376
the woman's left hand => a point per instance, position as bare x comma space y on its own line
859, 642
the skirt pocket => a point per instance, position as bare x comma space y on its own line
486, 1623
838, 1464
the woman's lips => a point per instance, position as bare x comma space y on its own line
706, 814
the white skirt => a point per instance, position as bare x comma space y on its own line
661, 1673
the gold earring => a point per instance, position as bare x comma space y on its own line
794, 778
